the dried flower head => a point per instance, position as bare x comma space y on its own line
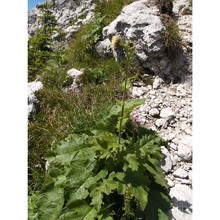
115, 41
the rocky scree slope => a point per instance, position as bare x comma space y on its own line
168, 106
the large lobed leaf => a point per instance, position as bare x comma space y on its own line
158, 206
109, 122
50, 204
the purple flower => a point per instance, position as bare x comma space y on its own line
136, 119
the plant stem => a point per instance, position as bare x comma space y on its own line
123, 100
122, 112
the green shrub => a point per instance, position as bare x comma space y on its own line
41, 45
39, 52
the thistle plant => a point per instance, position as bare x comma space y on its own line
127, 52
110, 174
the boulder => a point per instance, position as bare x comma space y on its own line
104, 48
76, 75
32, 99
181, 196
140, 23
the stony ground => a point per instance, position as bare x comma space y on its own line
168, 111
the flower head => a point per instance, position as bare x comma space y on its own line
115, 41
136, 119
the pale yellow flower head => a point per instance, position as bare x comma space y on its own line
115, 41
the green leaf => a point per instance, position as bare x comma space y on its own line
79, 172
109, 218
128, 85
75, 147
79, 194
142, 197
50, 204
158, 205
105, 187
93, 180
81, 211
72, 143
32, 207
158, 174
61, 181
121, 188
97, 197
132, 161
138, 178
91, 215
55, 172
109, 121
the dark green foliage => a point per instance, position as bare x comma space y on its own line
101, 179
39, 52
47, 19
94, 33
41, 45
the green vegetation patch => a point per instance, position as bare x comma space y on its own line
172, 36
110, 9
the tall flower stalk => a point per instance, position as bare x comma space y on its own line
124, 55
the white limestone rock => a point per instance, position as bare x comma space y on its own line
181, 196
137, 92
154, 112
76, 75
166, 163
104, 47
170, 182
181, 173
157, 83
68, 14
166, 112
184, 152
32, 99
160, 122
